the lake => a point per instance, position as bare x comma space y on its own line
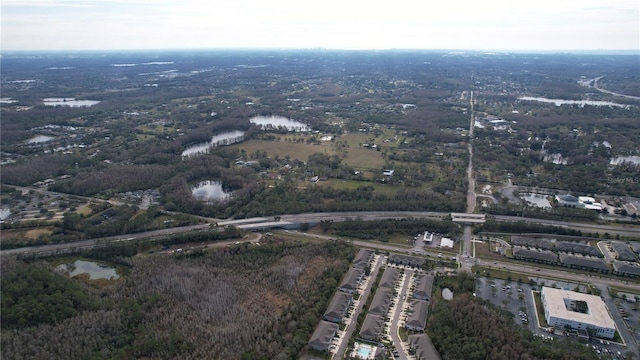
274, 122
71, 102
581, 103
225, 138
209, 191
94, 269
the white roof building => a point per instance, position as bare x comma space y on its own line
589, 203
577, 310
446, 242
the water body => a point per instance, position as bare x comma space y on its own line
7, 101
209, 191
580, 103
447, 294
622, 159
537, 200
226, 138
274, 122
39, 139
71, 102
94, 269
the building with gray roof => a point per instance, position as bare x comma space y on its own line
534, 242
626, 269
372, 328
541, 256
423, 285
351, 280
584, 263
322, 336
624, 252
389, 278
417, 317
338, 307
578, 248
406, 260
381, 302
422, 348
363, 259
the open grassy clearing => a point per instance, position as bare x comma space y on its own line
354, 184
300, 151
36, 233
84, 210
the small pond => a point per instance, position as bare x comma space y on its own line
209, 191
447, 294
274, 122
94, 269
39, 139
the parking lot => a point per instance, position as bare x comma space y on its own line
630, 313
516, 297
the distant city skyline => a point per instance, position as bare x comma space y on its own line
544, 25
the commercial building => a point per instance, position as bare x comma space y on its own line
578, 311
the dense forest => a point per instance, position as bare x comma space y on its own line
242, 302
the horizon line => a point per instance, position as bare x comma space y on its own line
319, 48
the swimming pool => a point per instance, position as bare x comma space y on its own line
364, 351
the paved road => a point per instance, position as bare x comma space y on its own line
624, 332
395, 319
595, 86
344, 344
471, 190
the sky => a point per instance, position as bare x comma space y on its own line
516, 25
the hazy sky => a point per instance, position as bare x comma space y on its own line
422, 24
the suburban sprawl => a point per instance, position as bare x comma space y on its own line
319, 204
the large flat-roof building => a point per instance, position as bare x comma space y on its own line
578, 311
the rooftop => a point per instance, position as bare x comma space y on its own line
597, 313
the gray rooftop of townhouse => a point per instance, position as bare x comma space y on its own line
423, 286
624, 252
381, 302
418, 316
574, 247
352, 279
406, 260
372, 327
389, 278
626, 268
338, 305
363, 258
540, 255
324, 332
423, 347
584, 262
540, 243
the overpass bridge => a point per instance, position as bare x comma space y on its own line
467, 219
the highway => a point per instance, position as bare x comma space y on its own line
263, 223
